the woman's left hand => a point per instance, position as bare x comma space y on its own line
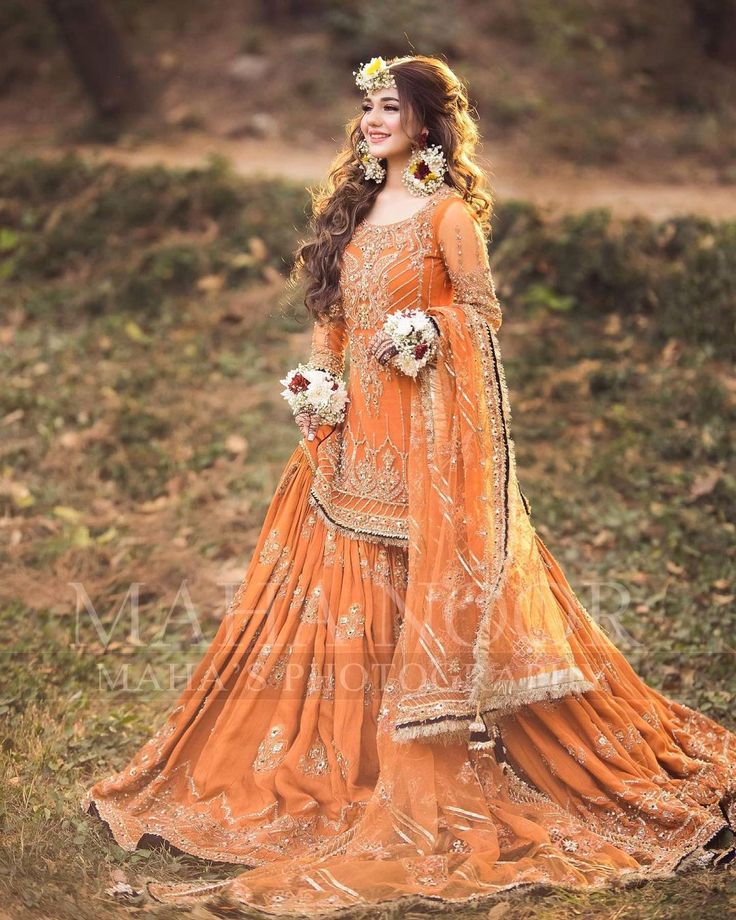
382, 347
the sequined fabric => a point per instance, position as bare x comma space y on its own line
361, 477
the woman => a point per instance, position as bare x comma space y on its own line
406, 697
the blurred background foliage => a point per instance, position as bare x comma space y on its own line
140, 238
586, 80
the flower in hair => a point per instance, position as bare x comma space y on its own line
374, 75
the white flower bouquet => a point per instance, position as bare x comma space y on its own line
315, 390
414, 334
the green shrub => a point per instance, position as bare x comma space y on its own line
83, 240
681, 272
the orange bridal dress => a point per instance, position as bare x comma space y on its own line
405, 697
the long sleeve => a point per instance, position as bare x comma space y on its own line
465, 254
329, 340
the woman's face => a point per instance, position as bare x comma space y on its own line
381, 124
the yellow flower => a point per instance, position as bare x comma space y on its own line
373, 66
376, 74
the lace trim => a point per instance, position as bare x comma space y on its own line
351, 522
355, 531
516, 694
668, 866
665, 859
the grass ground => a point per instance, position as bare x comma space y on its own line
141, 438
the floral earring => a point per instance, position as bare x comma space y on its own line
424, 172
369, 163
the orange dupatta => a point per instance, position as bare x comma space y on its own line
483, 631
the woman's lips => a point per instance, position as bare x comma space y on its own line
377, 138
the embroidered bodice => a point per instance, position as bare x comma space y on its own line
438, 256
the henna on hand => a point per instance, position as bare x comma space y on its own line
382, 347
308, 423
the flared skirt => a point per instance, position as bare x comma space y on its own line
272, 757
272, 746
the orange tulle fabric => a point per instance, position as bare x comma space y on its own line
405, 697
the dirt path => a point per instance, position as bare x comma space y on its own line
556, 187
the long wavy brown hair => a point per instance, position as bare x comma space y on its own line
430, 94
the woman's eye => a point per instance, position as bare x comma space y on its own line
389, 108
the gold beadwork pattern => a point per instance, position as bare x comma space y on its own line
351, 625
310, 613
315, 760
369, 470
386, 274
271, 549
271, 751
465, 254
329, 339
438, 255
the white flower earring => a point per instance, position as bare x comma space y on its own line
369, 163
424, 172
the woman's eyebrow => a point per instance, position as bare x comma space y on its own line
383, 99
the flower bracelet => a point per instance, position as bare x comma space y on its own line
414, 334
316, 390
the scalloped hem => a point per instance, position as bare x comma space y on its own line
122, 835
695, 858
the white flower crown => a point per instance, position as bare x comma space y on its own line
375, 75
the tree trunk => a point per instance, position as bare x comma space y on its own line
716, 23
99, 56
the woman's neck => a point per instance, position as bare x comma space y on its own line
394, 168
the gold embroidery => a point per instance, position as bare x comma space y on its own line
329, 340
388, 276
476, 289
465, 254
342, 761
296, 595
360, 478
308, 527
368, 371
263, 654
283, 568
278, 672
368, 525
271, 549
330, 546
271, 751
311, 608
314, 682
351, 625
372, 471
315, 760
